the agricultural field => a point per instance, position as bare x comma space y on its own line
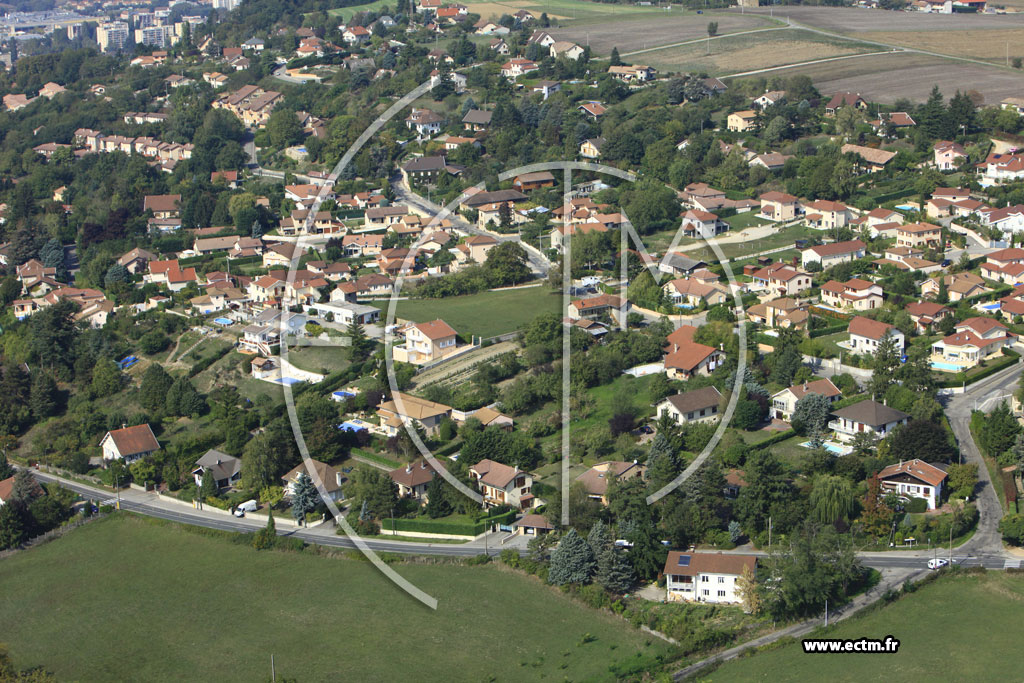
644, 32
581, 10
913, 76
751, 52
486, 314
955, 613
852, 21
309, 612
993, 44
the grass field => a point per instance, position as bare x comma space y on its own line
148, 601
947, 630
752, 51
486, 314
347, 12
979, 43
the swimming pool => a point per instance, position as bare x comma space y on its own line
288, 380
906, 207
832, 447
224, 322
947, 367
992, 307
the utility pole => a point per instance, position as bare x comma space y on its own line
826, 612
273, 672
769, 533
117, 490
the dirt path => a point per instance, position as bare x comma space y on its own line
461, 368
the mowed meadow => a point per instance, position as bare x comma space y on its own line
129, 598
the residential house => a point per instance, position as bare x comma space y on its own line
226, 469
503, 485
778, 206
702, 224
129, 444
699, 405
779, 279
426, 122
384, 216
598, 305
924, 314
424, 169
844, 99
426, 342
742, 121
828, 215
784, 402
948, 155
595, 480
959, 286
1005, 265
769, 98
871, 158
476, 247
533, 181
707, 577
866, 416
560, 232
516, 67
427, 414
773, 161
690, 293
326, 479
998, 168
855, 294
594, 110
866, 334
567, 49
412, 480
690, 360
914, 479
679, 265
973, 341
280, 254
784, 313
591, 148
163, 205
832, 254
477, 120
919, 235
637, 73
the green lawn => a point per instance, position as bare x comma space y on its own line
318, 358
150, 601
486, 314
948, 630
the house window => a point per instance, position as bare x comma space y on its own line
704, 579
706, 592
721, 594
721, 579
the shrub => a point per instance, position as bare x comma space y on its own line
917, 505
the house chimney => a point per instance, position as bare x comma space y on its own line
805, 386
408, 469
423, 465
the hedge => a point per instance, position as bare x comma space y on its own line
831, 329
771, 441
890, 196
440, 526
762, 338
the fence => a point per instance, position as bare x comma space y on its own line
439, 527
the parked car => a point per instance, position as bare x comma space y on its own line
937, 563
247, 506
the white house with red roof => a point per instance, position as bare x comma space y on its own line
924, 314
1005, 265
779, 206
854, 294
503, 484
914, 479
972, 341
697, 223
779, 280
999, 168
692, 359
706, 577
866, 334
827, 215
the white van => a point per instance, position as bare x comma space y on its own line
247, 506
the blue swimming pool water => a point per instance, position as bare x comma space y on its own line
906, 207
942, 365
288, 380
224, 321
992, 307
830, 447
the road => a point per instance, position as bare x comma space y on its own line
405, 195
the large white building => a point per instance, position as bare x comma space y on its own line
706, 577
113, 36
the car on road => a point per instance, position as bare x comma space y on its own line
937, 563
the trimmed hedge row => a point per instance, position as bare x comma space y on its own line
831, 329
778, 438
440, 526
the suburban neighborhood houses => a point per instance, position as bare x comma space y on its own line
464, 304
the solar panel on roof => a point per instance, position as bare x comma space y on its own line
684, 560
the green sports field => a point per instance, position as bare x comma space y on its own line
128, 598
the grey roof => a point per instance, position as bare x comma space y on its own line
871, 413
480, 117
435, 163
695, 400
678, 261
222, 465
481, 198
